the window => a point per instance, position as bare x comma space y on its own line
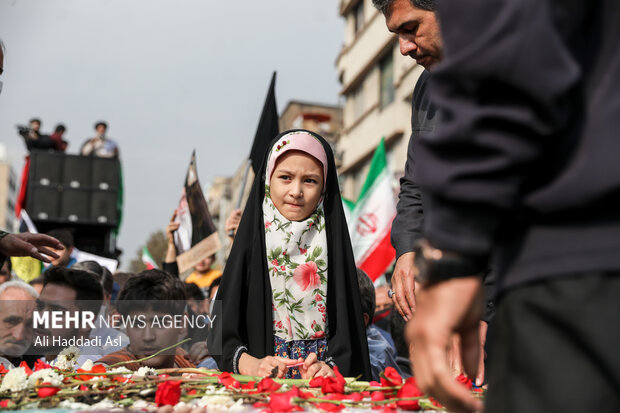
386, 66
358, 101
358, 15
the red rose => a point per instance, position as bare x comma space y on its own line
168, 393
5, 403
391, 378
306, 276
303, 250
316, 382
318, 334
377, 396
409, 389
318, 297
281, 402
333, 385
274, 262
227, 380
27, 369
283, 142
248, 386
267, 385
329, 407
47, 391
282, 267
40, 365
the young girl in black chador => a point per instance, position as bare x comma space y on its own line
290, 303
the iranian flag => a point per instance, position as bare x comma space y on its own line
371, 218
147, 259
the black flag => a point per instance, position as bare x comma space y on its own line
196, 238
268, 127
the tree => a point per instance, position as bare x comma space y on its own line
157, 244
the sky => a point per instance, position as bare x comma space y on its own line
168, 76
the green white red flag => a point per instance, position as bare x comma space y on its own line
371, 218
147, 259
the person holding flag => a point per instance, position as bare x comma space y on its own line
192, 236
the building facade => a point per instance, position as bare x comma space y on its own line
377, 85
8, 192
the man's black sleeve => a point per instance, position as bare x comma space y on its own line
505, 90
407, 225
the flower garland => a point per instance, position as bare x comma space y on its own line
97, 387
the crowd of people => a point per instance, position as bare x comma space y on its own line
99, 145
507, 225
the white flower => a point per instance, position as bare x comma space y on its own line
145, 371
45, 376
15, 380
71, 404
88, 365
67, 359
214, 401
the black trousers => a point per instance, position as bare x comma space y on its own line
555, 346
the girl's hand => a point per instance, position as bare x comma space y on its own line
312, 367
270, 366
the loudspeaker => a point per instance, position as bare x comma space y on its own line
105, 173
75, 206
77, 172
103, 207
45, 168
43, 203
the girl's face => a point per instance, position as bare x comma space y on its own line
296, 185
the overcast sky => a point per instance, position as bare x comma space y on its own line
168, 76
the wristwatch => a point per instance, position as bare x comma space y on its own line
435, 265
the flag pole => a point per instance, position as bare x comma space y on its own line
231, 233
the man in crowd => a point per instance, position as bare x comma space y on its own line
151, 296
5, 271
522, 170
33, 138
68, 290
416, 24
380, 351
66, 238
17, 304
58, 143
100, 145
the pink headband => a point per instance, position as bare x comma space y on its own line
297, 141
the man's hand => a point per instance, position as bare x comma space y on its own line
28, 244
232, 222
452, 306
403, 285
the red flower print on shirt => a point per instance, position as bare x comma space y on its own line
318, 297
274, 262
268, 224
306, 275
303, 251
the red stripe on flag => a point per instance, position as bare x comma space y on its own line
380, 259
21, 197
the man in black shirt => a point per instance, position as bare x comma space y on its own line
523, 169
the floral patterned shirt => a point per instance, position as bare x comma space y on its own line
297, 264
